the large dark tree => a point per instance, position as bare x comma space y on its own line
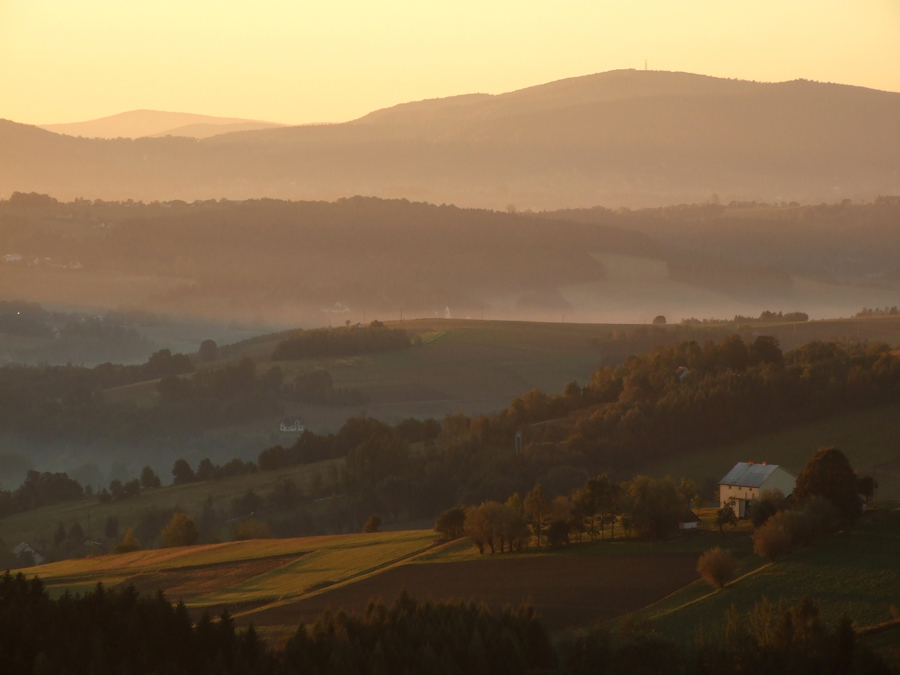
829, 474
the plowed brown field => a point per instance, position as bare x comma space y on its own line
567, 590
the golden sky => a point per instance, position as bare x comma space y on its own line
301, 61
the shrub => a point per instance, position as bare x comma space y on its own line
717, 566
768, 505
129, 543
451, 524
181, 531
829, 474
772, 539
726, 516
250, 529
558, 533
149, 478
373, 524
823, 516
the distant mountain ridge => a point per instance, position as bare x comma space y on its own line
634, 138
143, 123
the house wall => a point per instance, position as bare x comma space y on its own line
739, 495
780, 480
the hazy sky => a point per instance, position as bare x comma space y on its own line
332, 60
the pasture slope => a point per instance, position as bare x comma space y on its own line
854, 572
38, 525
477, 366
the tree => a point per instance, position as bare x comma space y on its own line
150, 479
182, 473
726, 516
659, 320
208, 352
206, 469
451, 524
181, 531
111, 530
60, 535
654, 507
768, 504
688, 490
373, 524
867, 485
829, 474
593, 502
614, 505
772, 539
558, 533
129, 543
116, 490
537, 507
717, 567
477, 527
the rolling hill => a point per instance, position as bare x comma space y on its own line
621, 137
141, 123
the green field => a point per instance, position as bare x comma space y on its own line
854, 572
258, 572
38, 525
870, 439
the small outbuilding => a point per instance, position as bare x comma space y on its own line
689, 521
743, 484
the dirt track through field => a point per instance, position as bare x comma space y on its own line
567, 590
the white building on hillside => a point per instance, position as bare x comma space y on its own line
292, 425
746, 480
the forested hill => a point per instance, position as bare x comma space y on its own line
364, 258
315, 260
636, 138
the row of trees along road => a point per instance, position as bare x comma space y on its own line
643, 506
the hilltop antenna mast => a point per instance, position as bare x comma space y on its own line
645, 64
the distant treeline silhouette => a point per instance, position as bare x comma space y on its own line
346, 341
119, 631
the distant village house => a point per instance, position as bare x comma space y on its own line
292, 425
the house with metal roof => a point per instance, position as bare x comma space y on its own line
743, 484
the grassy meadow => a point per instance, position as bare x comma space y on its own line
39, 525
854, 572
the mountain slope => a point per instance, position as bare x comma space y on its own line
618, 138
140, 123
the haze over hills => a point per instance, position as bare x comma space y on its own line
617, 138
141, 123
318, 263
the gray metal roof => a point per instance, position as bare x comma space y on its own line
746, 474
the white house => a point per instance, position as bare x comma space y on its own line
292, 425
24, 547
746, 480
